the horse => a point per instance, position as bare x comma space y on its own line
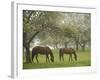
68, 51
43, 51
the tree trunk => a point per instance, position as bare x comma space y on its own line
77, 48
56, 45
28, 59
83, 48
83, 45
66, 44
77, 45
27, 46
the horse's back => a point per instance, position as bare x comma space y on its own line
66, 50
41, 50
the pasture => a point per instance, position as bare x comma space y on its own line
84, 59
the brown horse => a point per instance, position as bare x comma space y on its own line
68, 51
43, 51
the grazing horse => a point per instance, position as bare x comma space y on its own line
68, 51
43, 51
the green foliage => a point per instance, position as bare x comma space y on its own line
43, 22
59, 27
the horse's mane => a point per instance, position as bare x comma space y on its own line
49, 51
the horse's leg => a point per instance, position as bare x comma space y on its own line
37, 58
47, 58
70, 57
60, 56
32, 58
63, 57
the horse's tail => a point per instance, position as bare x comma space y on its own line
75, 55
60, 54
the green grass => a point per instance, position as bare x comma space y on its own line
84, 59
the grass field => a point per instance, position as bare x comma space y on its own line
84, 59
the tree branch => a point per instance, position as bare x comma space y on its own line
33, 37
29, 17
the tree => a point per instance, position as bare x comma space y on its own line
36, 22
85, 32
79, 28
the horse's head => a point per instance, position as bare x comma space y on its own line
49, 51
52, 59
75, 56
